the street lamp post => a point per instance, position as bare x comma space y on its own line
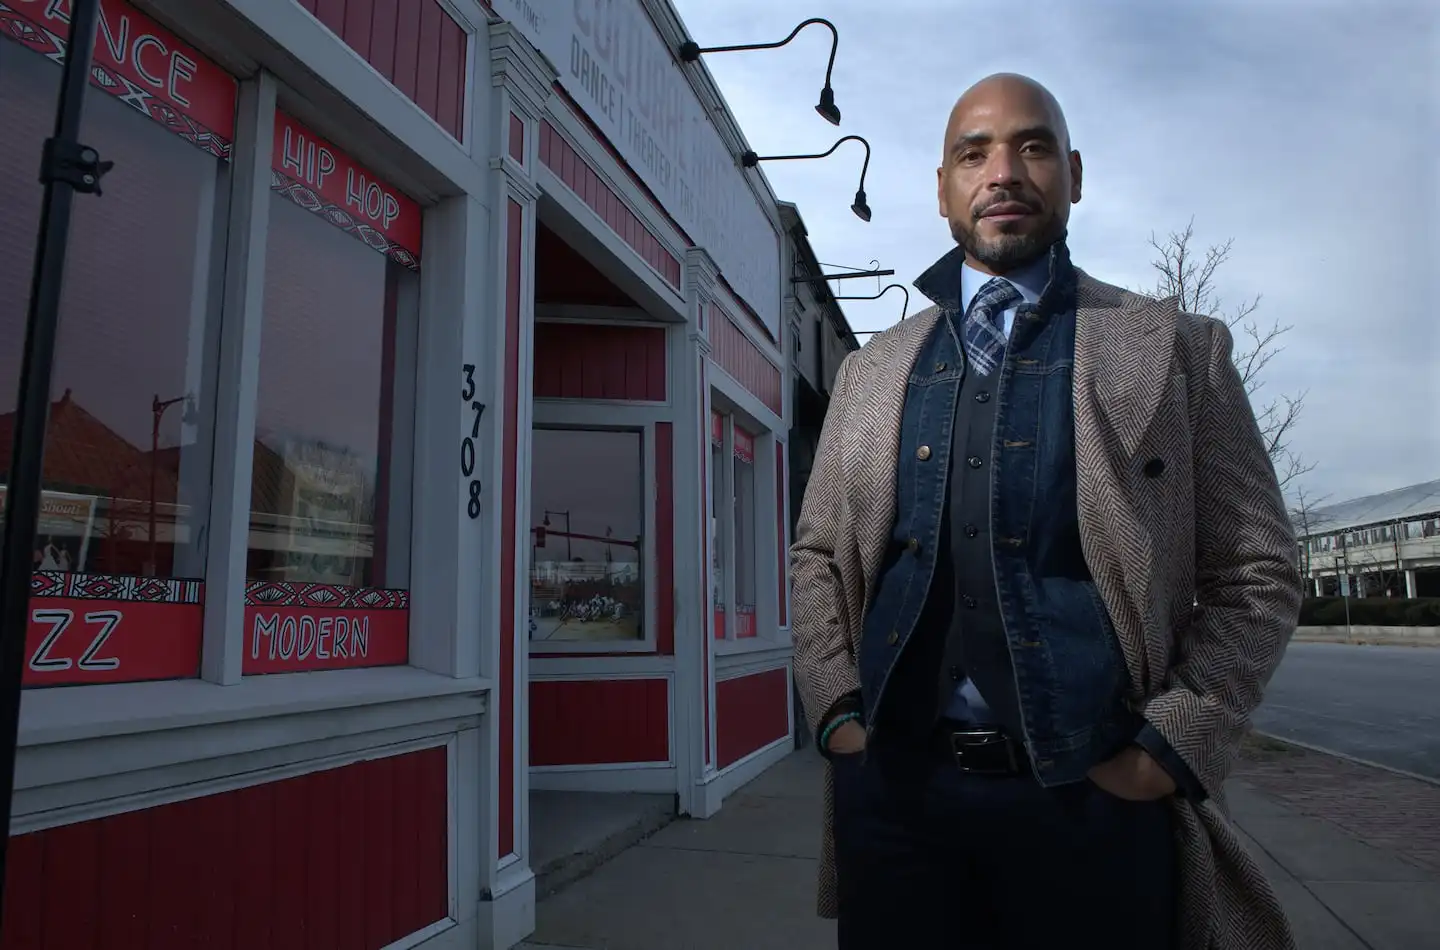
545, 520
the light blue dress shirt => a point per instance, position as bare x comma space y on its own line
967, 705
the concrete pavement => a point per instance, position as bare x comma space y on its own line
1376, 703
745, 879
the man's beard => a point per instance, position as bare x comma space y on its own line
1006, 252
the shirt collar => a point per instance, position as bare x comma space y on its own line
1048, 281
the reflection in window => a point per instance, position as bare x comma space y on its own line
330, 494
719, 522
127, 456
586, 530
744, 533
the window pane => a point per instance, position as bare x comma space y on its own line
128, 440
744, 533
329, 488
587, 524
718, 523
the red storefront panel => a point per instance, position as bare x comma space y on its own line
509, 479
743, 360
292, 627
349, 858
599, 722
561, 158
415, 44
751, 712
596, 361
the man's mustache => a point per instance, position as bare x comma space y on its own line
1003, 198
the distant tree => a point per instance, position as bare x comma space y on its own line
1188, 273
1308, 521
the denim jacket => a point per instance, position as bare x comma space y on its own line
1069, 673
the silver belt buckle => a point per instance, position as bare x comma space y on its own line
965, 739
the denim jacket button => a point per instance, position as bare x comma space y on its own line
975, 461
982, 396
923, 453
913, 545
893, 638
970, 602
940, 367
971, 531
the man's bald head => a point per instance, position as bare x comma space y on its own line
1015, 85
1007, 175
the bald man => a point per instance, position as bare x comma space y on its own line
1043, 572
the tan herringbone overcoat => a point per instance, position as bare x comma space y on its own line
1197, 568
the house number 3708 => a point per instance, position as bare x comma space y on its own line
467, 444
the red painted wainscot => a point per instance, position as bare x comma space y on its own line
750, 713
595, 722
415, 44
598, 361
350, 858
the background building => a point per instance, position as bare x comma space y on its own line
1385, 545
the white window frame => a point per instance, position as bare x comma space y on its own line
632, 417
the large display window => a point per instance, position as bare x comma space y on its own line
119, 555
328, 555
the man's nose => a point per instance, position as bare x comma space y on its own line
1004, 168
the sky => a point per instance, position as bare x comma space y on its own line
1306, 132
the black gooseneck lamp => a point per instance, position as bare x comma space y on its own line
904, 309
860, 207
690, 51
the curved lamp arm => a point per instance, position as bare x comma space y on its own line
860, 207
690, 51
888, 287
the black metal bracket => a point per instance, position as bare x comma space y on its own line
76, 165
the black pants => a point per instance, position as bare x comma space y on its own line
928, 856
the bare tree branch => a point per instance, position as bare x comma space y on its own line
1190, 275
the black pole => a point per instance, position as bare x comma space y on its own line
66, 167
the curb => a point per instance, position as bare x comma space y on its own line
1309, 747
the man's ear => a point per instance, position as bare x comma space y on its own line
940, 192
1077, 177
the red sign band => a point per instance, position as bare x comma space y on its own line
322, 179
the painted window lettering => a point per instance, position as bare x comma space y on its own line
59, 621
305, 636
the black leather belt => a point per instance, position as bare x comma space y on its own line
980, 750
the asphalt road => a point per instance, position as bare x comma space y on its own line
1376, 703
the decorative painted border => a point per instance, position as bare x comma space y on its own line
53, 48
125, 587
303, 196
327, 596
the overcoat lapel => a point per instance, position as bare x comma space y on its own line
1124, 348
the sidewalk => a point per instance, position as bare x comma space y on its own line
746, 879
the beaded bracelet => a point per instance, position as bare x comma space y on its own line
834, 724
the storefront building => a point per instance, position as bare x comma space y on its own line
418, 439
